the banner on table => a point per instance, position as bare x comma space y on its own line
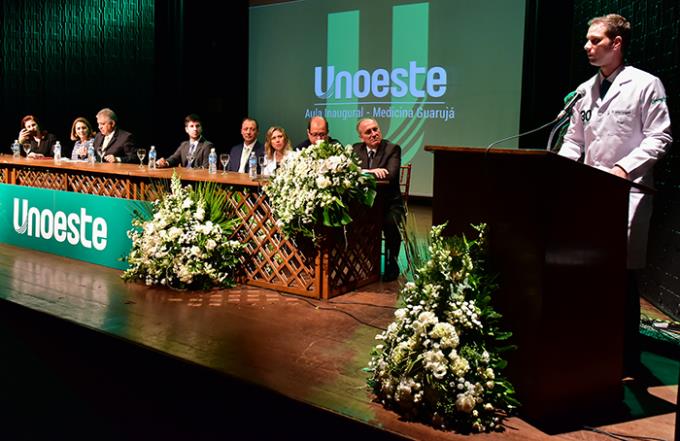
76, 225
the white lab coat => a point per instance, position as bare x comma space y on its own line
630, 128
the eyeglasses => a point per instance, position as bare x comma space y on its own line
318, 134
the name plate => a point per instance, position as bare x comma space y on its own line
80, 226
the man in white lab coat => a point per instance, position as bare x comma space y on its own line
622, 126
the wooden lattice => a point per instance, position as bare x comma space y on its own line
102, 185
342, 261
40, 178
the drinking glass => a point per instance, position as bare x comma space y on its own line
262, 160
141, 153
224, 159
27, 148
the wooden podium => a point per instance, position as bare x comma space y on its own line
557, 239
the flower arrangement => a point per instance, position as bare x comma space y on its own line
317, 185
183, 242
439, 361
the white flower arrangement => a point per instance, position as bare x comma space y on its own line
184, 242
316, 186
439, 361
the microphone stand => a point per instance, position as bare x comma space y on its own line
521, 134
555, 129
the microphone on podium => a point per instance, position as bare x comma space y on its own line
577, 95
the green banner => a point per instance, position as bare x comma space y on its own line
76, 225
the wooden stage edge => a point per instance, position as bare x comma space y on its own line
85, 355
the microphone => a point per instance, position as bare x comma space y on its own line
580, 93
577, 95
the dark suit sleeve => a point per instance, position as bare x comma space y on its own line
361, 153
129, 149
176, 158
202, 160
234, 158
393, 162
46, 146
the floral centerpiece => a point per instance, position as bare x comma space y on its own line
317, 185
439, 361
183, 242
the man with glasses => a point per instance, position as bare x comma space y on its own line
317, 129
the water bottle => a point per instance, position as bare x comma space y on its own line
252, 165
212, 162
16, 149
152, 157
91, 158
57, 152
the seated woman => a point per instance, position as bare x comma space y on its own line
276, 147
81, 133
41, 143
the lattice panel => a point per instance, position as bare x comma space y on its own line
271, 258
38, 178
4, 175
355, 262
113, 186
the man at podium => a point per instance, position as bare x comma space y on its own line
621, 125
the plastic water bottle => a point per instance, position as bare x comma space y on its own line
252, 165
57, 152
91, 157
16, 149
152, 157
212, 162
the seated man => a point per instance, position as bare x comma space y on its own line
317, 128
115, 144
240, 153
383, 159
197, 148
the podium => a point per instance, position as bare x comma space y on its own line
557, 240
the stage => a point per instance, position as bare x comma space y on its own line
88, 356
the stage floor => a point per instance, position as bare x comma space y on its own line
311, 352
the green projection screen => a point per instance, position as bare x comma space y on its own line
443, 72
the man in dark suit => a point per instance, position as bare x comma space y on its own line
197, 147
383, 159
239, 154
115, 145
317, 128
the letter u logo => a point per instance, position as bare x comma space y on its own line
20, 228
410, 33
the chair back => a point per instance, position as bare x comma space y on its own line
405, 180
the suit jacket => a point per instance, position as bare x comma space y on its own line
122, 145
44, 147
235, 156
387, 156
200, 155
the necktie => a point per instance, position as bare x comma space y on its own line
192, 149
371, 154
106, 141
604, 87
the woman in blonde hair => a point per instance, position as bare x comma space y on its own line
81, 133
276, 147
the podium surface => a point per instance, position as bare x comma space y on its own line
557, 240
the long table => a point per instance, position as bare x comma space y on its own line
342, 260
